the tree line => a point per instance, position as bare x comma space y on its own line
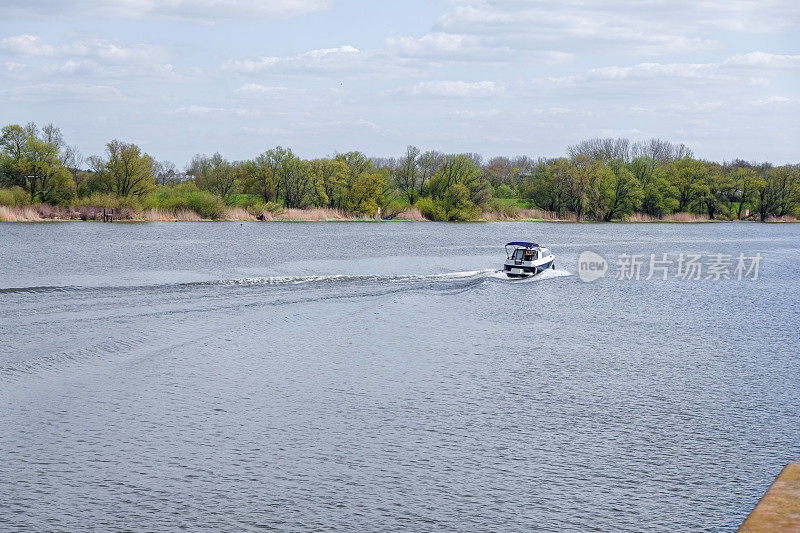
598, 179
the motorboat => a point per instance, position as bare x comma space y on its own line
527, 259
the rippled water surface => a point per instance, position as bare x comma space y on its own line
383, 377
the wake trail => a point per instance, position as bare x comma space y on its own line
294, 280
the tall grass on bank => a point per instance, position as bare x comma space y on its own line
315, 214
410, 215
529, 215
19, 214
164, 215
238, 214
785, 218
182, 198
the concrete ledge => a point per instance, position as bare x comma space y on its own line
779, 509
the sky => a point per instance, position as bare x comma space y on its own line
496, 77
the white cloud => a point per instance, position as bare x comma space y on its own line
27, 45
102, 49
751, 69
432, 44
326, 58
698, 107
620, 133
558, 111
205, 11
198, 110
251, 65
474, 114
763, 59
770, 100
63, 91
653, 70
325, 53
258, 89
459, 89
651, 28
96, 59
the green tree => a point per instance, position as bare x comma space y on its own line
715, 191
658, 196
504, 191
259, 176
583, 177
367, 192
125, 170
780, 194
330, 181
686, 177
460, 169
620, 192
32, 160
407, 175
215, 174
295, 184
298, 183
747, 182
357, 163
548, 185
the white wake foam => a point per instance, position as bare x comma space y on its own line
545, 275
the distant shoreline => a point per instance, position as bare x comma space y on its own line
47, 213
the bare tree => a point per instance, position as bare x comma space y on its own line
660, 150
164, 171
602, 149
74, 160
384, 162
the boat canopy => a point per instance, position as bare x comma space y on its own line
523, 244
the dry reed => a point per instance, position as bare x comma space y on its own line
536, 215
410, 215
19, 214
237, 214
784, 218
316, 214
686, 217
166, 215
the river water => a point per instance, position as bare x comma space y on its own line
383, 377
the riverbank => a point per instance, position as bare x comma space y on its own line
50, 213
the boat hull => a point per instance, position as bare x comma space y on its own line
526, 271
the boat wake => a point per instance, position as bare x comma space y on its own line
298, 280
547, 274
332, 278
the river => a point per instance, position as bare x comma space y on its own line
384, 377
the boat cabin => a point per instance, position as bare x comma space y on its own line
524, 251
526, 259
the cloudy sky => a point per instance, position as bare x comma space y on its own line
499, 77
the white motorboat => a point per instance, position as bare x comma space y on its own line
527, 259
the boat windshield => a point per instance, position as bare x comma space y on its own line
522, 254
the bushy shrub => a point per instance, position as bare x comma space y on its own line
507, 208
455, 206
252, 203
504, 191
206, 204
186, 196
110, 200
15, 196
432, 209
